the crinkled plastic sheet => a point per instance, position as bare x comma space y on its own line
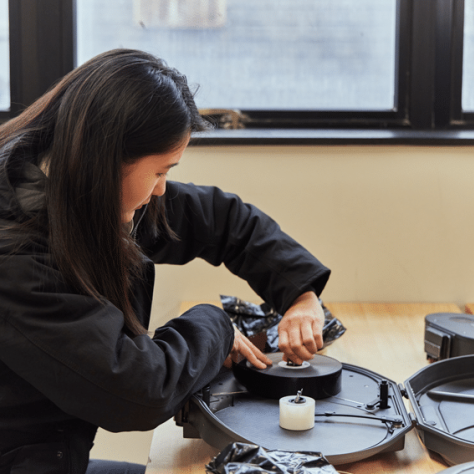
241, 458
253, 319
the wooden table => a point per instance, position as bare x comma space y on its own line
385, 338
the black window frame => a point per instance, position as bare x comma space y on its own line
42, 48
428, 97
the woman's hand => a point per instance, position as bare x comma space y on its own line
243, 348
301, 329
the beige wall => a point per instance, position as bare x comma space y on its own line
394, 223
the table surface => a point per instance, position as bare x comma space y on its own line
384, 338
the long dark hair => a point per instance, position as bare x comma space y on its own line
114, 109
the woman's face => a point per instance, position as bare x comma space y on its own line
146, 178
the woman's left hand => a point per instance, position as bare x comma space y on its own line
301, 329
243, 348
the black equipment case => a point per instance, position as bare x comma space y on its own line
365, 417
448, 335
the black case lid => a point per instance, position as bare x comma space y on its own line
456, 323
442, 397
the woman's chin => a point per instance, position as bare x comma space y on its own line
127, 216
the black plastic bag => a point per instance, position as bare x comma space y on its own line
241, 458
253, 319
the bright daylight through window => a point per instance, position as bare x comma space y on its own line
468, 61
259, 54
4, 57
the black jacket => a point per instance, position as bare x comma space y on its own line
66, 363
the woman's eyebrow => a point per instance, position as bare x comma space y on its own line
172, 165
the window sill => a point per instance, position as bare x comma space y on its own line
333, 137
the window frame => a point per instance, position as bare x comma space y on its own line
428, 97
42, 48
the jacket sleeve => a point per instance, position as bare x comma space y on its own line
75, 351
219, 228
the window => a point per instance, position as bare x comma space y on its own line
4, 57
259, 54
395, 66
468, 58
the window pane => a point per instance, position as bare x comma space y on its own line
259, 54
4, 57
468, 60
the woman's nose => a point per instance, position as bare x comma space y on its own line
160, 187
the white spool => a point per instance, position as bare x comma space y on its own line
297, 416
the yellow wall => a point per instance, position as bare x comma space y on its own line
394, 223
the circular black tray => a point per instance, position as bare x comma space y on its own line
349, 426
345, 430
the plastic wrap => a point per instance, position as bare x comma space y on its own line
241, 458
253, 319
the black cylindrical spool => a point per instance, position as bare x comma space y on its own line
321, 379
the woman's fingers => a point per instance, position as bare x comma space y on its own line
244, 348
300, 330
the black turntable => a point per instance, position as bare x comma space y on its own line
361, 414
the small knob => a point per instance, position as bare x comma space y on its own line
299, 398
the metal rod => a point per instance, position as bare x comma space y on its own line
298, 395
385, 419
459, 396
228, 393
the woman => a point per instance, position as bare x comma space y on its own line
84, 217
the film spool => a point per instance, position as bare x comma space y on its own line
319, 378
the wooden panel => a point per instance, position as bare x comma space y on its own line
170, 453
469, 308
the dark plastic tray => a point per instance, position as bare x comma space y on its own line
347, 427
445, 423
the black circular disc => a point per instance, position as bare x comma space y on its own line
318, 378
